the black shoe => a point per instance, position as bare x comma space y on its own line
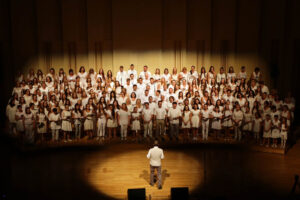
159, 187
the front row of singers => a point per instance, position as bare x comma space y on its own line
104, 123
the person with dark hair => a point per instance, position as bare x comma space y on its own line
11, 109
256, 75
155, 155
174, 115
54, 119
147, 116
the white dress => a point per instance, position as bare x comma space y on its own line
54, 118
186, 119
248, 122
42, 123
216, 122
66, 124
28, 121
111, 123
136, 126
276, 129
195, 118
227, 118
284, 132
88, 123
20, 126
257, 125
267, 134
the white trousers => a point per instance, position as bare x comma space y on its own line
55, 133
124, 128
205, 128
101, 129
238, 132
148, 129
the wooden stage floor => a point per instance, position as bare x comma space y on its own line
210, 171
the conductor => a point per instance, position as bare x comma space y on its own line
155, 155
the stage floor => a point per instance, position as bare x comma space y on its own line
106, 172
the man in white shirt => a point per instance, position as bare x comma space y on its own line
237, 119
155, 155
147, 116
174, 115
145, 71
160, 116
132, 71
121, 76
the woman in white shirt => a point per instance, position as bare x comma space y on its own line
101, 122
123, 120
195, 120
216, 121
231, 74
29, 125
157, 75
41, 122
186, 121
82, 75
55, 126
111, 121
77, 117
66, 116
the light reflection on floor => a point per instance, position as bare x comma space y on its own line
113, 174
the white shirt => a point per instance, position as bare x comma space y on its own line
174, 113
147, 113
238, 115
121, 77
132, 72
124, 116
160, 113
155, 155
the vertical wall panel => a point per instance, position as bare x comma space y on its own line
23, 33
75, 11
223, 29
136, 33
50, 38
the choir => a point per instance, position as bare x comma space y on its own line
68, 106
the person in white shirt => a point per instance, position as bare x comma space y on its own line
237, 119
11, 110
174, 115
29, 125
243, 73
205, 115
193, 75
54, 119
121, 76
221, 75
160, 117
145, 71
123, 120
155, 155
132, 71
147, 115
